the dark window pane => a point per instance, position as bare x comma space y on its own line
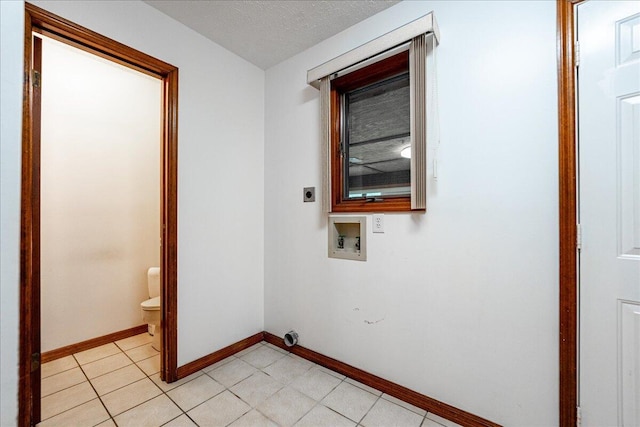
377, 128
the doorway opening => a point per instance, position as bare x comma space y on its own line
39, 21
99, 196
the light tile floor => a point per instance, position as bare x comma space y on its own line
118, 384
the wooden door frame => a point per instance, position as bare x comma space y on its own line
568, 212
39, 20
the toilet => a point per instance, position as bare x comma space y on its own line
151, 307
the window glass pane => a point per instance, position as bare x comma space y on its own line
377, 129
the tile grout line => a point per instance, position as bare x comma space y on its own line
260, 370
66, 388
359, 423
112, 417
252, 407
88, 380
94, 390
122, 351
166, 393
317, 402
147, 376
284, 386
58, 373
331, 391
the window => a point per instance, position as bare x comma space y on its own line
373, 104
371, 137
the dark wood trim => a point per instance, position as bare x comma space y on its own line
407, 395
169, 256
69, 32
36, 112
28, 390
568, 262
92, 343
203, 362
421, 401
384, 69
42, 21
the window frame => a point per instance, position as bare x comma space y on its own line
370, 74
421, 36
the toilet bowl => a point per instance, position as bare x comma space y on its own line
151, 308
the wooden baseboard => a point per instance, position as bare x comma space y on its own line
420, 400
89, 344
203, 362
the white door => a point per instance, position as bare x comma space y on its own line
609, 200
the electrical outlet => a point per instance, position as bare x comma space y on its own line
378, 223
309, 194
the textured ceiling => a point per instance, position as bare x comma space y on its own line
269, 31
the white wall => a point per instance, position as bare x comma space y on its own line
220, 171
467, 291
100, 194
11, 42
221, 132
463, 299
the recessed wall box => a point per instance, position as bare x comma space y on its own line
309, 194
348, 237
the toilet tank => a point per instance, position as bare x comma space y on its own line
153, 281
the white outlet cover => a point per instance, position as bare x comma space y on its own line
378, 223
